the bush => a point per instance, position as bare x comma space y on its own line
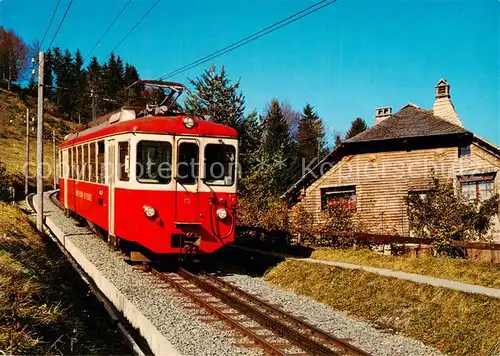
445, 216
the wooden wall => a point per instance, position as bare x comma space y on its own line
383, 180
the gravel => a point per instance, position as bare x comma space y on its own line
358, 333
164, 307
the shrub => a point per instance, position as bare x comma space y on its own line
445, 216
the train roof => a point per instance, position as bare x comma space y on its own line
117, 123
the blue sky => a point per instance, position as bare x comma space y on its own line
345, 59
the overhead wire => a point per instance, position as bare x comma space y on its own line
60, 23
107, 30
265, 31
50, 23
133, 28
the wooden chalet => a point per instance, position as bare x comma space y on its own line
377, 169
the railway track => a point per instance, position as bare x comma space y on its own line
265, 325
268, 327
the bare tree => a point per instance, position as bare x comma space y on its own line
14, 57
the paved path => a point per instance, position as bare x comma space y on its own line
419, 278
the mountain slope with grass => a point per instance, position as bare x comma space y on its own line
13, 138
44, 308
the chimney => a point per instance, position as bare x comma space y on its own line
382, 113
443, 107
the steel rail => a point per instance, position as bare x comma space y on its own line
220, 314
302, 341
288, 318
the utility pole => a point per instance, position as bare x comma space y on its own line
27, 163
39, 144
54, 157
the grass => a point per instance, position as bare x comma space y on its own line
12, 138
454, 322
475, 272
43, 310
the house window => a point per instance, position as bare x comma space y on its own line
464, 151
344, 195
477, 186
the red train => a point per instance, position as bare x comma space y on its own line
156, 182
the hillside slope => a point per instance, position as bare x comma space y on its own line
12, 137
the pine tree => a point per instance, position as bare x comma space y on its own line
215, 96
357, 126
63, 69
310, 135
48, 75
277, 150
79, 77
250, 142
94, 87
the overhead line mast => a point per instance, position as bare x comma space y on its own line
267, 30
108, 29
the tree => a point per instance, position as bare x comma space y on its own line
310, 135
278, 150
13, 57
250, 142
214, 95
94, 85
357, 126
48, 75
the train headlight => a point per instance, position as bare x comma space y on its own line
221, 213
188, 122
149, 211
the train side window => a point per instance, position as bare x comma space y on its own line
124, 169
154, 162
71, 162
92, 168
85, 175
61, 164
100, 163
78, 154
188, 163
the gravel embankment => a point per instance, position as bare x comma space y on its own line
164, 307
358, 333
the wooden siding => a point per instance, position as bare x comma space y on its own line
383, 181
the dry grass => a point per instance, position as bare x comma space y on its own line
475, 272
12, 138
41, 310
459, 323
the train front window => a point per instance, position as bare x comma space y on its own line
187, 163
219, 164
154, 162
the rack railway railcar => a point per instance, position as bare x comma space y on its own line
156, 182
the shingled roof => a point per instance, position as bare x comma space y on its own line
410, 121
409, 128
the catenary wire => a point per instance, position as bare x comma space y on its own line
60, 23
269, 29
133, 28
50, 23
108, 29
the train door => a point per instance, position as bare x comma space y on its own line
187, 181
111, 155
65, 175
